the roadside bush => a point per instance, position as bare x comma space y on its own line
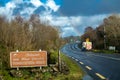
53, 57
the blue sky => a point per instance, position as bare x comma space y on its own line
72, 16
90, 7
3, 2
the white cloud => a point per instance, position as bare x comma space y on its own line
10, 5
73, 25
65, 23
52, 5
36, 3
69, 31
7, 10
28, 11
76, 21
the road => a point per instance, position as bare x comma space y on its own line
98, 65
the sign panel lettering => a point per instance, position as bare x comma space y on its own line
28, 59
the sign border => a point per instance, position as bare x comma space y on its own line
26, 66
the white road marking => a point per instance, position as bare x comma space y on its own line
81, 63
89, 68
73, 57
76, 59
101, 76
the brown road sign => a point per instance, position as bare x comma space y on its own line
28, 59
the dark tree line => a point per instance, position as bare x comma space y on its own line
105, 35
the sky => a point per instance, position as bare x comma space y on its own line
90, 7
71, 16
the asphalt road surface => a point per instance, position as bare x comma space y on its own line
98, 65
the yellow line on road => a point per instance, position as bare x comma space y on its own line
81, 63
101, 76
89, 68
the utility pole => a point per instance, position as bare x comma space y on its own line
59, 60
104, 38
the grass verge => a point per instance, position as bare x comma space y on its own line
104, 51
76, 73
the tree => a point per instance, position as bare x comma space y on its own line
108, 33
23, 35
112, 29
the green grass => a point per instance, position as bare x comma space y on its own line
104, 51
76, 72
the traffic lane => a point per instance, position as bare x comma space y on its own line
110, 56
103, 66
91, 73
88, 69
114, 56
108, 67
99, 64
